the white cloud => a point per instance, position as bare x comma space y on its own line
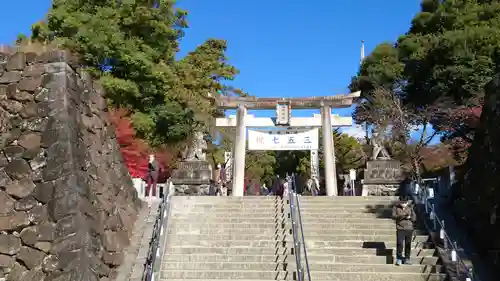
356, 131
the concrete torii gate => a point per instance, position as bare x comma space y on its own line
283, 107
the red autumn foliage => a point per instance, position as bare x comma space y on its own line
436, 157
460, 127
469, 116
135, 151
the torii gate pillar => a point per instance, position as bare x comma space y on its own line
239, 152
329, 150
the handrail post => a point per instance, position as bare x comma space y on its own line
445, 241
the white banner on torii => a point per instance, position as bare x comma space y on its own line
314, 163
283, 140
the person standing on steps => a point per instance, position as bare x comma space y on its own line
405, 217
152, 176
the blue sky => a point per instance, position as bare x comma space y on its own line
282, 48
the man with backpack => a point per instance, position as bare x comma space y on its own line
405, 217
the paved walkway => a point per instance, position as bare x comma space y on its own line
136, 253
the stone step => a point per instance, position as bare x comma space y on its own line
359, 238
346, 215
200, 241
222, 266
199, 199
200, 258
349, 259
282, 275
270, 208
272, 266
233, 211
266, 233
356, 232
229, 221
211, 216
269, 231
310, 244
226, 205
334, 203
269, 204
342, 211
345, 220
347, 206
332, 226
333, 210
226, 274
376, 268
336, 259
265, 223
305, 216
266, 203
239, 220
347, 199
326, 237
367, 252
181, 224
254, 249
266, 208
308, 233
309, 229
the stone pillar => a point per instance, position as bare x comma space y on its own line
239, 152
328, 148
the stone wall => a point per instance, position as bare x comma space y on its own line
67, 203
476, 196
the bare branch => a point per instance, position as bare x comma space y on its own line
399, 121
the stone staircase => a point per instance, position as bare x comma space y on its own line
227, 238
353, 238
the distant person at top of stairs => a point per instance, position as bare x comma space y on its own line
405, 217
152, 176
285, 189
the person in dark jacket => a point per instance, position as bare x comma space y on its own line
152, 176
405, 217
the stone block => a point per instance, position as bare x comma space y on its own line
16, 62
20, 188
9, 244
10, 77
6, 202
18, 169
14, 221
30, 257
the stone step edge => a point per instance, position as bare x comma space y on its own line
293, 262
278, 256
305, 230
310, 249
310, 237
315, 271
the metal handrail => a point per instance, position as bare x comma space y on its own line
297, 206
154, 244
420, 196
296, 240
